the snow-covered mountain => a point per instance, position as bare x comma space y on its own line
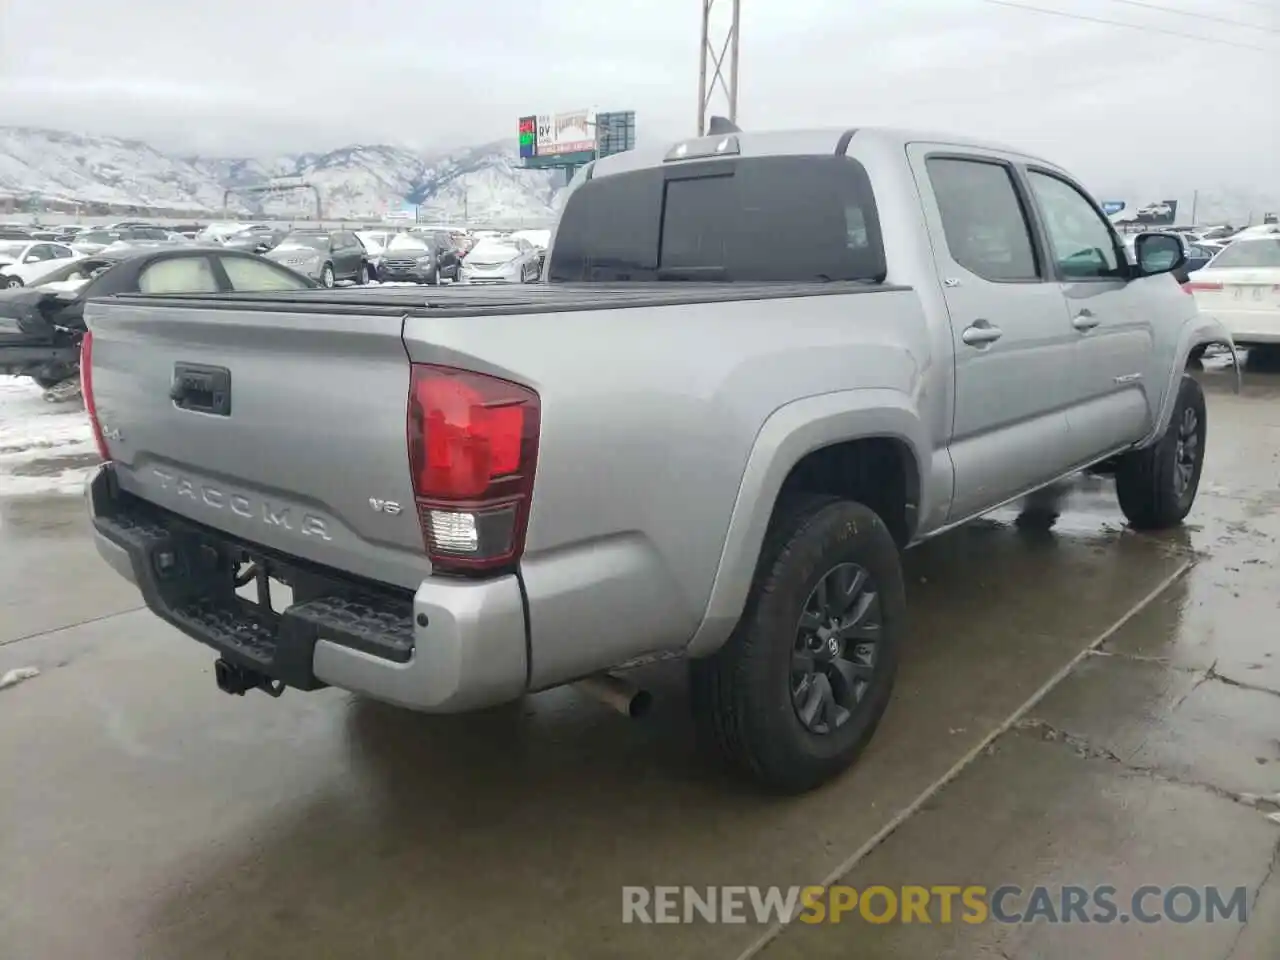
48, 168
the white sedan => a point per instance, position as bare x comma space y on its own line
501, 260
1241, 288
22, 261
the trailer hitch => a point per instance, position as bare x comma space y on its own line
234, 679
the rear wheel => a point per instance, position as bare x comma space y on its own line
798, 689
326, 276
1157, 485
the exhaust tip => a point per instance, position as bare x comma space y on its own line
617, 693
641, 701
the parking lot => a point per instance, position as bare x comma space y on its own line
1084, 705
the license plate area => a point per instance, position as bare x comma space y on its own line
1254, 295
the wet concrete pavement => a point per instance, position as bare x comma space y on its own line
147, 815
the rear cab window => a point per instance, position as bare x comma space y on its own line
748, 219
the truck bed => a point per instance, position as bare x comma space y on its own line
478, 301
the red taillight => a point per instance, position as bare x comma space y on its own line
473, 445
1193, 285
86, 391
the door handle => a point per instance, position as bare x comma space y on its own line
981, 333
1084, 320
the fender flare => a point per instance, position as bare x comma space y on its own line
790, 433
1198, 331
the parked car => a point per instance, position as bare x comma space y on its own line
68, 232
324, 256
507, 260
94, 241
41, 326
15, 233
22, 262
1240, 287
817, 398
257, 238
375, 245
420, 258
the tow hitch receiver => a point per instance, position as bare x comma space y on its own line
237, 680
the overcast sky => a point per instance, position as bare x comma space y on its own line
233, 77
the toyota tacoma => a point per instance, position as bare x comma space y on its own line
762, 366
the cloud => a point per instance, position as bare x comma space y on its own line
244, 76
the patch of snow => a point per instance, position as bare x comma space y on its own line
44, 447
17, 675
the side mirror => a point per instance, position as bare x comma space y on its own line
1156, 253
31, 259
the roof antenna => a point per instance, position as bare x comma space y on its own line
717, 125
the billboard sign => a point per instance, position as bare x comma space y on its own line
404, 214
616, 132
1112, 207
571, 132
1162, 214
528, 137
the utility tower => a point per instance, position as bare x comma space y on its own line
726, 44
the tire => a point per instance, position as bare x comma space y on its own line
1157, 485
327, 278
365, 274
745, 699
12, 283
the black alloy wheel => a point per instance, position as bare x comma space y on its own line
1186, 455
834, 656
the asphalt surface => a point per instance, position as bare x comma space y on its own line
1082, 705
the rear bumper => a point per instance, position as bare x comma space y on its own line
449, 646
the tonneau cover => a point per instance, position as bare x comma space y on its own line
478, 300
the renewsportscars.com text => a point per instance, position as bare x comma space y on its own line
937, 904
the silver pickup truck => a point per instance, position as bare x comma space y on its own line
759, 367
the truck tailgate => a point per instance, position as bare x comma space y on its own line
283, 429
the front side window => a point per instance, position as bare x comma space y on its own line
179, 275
250, 275
1083, 244
983, 219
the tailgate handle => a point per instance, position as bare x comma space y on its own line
201, 388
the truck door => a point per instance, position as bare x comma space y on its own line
1111, 402
1013, 342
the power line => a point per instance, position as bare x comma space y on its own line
1258, 3
1131, 26
1196, 16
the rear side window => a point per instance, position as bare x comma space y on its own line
179, 275
983, 219
748, 220
250, 275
